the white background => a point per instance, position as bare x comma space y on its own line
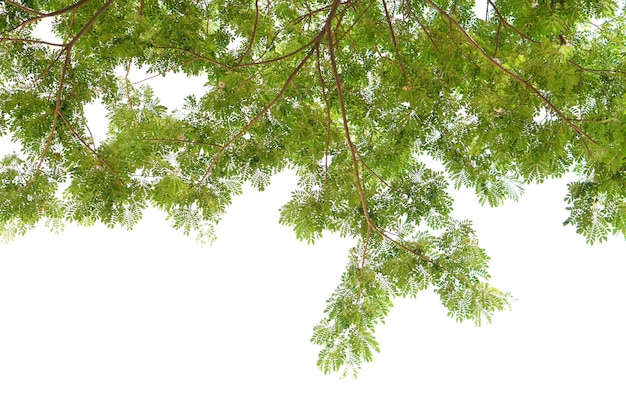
100, 322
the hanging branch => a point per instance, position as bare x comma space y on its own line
354, 152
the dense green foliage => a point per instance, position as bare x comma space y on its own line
355, 96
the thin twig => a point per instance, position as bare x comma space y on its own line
55, 118
36, 41
43, 15
495, 49
253, 36
183, 141
363, 258
423, 27
328, 118
128, 98
143, 80
393, 38
93, 151
509, 25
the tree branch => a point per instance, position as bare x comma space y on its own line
93, 151
354, 152
506, 23
315, 42
183, 141
67, 50
22, 7
328, 118
36, 41
253, 36
512, 75
363, 258
393, 38
40, 15
55, 118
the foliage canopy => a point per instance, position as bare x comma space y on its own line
354, 96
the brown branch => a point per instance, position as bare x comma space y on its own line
22, 7
239, 65
609, 120
167, 70
346, 33
356, 20
353, 151
270, 43
503, 20
254, 119
41, 16
509, 25
278, 96
382, 57
430, 38
89, 23
277, 59
66, 9
328, 119
253, 36
36, 41
410, 12
594, 70
182, 141
84, 120
312, 12
57, 108
71, 26
374, 173
55, 118
128, 98
195, 54
48, 67
363, 257
512, 75
346, 127
93, 151
495, 50
393, 38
